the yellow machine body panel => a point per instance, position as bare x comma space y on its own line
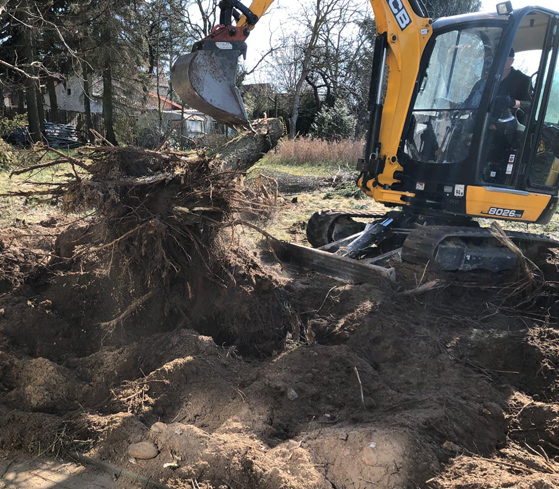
257, 7
407, 35
495, 203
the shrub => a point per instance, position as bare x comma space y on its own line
7, 125
7, 157
334, 123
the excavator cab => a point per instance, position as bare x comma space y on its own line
480, 137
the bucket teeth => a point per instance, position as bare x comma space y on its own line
205, 81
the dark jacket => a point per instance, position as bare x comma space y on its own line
517, 86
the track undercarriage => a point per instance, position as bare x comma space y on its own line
341, 241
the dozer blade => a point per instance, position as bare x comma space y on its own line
205, 80
330, 264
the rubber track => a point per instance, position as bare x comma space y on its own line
421, 244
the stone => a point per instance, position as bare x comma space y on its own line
158, 427
144, 450
368, 455
291, 394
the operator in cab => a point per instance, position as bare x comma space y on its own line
514, 90
511, 106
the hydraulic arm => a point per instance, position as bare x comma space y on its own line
403, 31
205, 78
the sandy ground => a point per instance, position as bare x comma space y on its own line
40, 473
267, 377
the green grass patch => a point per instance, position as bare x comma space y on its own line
346, 190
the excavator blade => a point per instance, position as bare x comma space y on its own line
205, 80
331, 264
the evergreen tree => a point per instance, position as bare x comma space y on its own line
114, 45
334, 123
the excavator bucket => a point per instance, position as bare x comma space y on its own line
205, 80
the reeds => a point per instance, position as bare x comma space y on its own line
305, 151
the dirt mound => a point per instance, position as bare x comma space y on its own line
160, 322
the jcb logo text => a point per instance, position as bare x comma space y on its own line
400, 13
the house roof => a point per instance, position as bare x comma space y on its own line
166, 100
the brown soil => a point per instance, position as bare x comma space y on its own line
256, 376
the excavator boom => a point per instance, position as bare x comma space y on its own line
205, 78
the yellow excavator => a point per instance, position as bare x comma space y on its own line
455, 133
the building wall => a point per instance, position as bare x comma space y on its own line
70, 97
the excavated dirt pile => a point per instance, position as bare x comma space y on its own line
156, 337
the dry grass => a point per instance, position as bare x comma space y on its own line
30, 209
306, 151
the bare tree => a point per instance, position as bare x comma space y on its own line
300, 61
445, 8
200, 17
315, 17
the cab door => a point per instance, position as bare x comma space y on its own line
542, 156
524, 75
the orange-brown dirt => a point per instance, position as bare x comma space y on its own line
261, 377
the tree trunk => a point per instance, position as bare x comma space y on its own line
87, 103
244, 151
20, 104
31, 82
108, 111
295, 108
316, 94
158, 73
2, 103
32, 111
40, 104
182, 136
51, 89
305, 70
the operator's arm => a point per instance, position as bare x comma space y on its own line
516, 89
522, 91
